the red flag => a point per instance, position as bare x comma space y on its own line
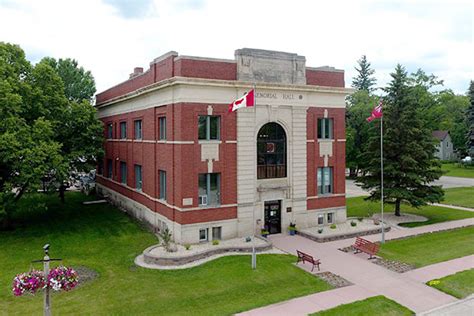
245, 101
376, 112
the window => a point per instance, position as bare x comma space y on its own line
123, 130
162, 128
123, 172
209, 189
325, 180
325, 128
110, 130
101, 167
203, 234
162, 176
271, 152
330, 218
138, 177
109, 168
138, 129
320, 219
209, 127
217, 233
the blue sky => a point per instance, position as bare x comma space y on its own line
111, 37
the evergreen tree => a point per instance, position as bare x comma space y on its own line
364, 80
470, 120
409, 162
359, 106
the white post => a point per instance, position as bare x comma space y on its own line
254, 254
381, 177
47, 306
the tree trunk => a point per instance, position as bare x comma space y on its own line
397, 207
21, 191
62, 189
352, 173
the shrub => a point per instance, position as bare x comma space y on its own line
353, 224
215, 242
333, 226
166, 236
187, 246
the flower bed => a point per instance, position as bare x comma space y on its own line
60, 278
157, 255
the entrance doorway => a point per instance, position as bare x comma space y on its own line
273, 216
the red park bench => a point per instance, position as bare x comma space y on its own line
307, 258
363, 245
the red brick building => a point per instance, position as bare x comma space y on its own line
175, 158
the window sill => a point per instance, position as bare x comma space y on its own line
210, 141
209, 206
325, 140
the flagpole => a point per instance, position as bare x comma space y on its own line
381, 176
254, 255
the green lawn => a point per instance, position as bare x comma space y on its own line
377, 305
358, 207
456, 170
104, 239
430, 248
459, 285
459, 196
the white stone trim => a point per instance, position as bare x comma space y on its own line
231, 141
211, 91
163, 201
341, 140
325, 196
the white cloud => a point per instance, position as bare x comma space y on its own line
110, 37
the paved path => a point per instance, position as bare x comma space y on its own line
446, 182
462, 208
369, 279
463, 307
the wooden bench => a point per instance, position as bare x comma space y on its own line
368, 247
307, 258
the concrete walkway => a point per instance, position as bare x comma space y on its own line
369, 279
462, 208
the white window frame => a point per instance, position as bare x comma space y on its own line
322, 125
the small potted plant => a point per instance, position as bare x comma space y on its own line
264, 233
320, 231
353, 223
292, 229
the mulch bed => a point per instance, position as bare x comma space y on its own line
333, 279
85, 274
393, 265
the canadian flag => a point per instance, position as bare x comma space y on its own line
247, 100
376, 112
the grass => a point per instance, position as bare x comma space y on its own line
430, 248
459, 285
358, 207
459, 196
377, 305
104, 239
456, 170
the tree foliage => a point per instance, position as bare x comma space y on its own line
42, 132
470, 122
79, 84
365, 79
409, 162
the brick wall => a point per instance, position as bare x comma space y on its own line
324, 78
337, 161
181, 161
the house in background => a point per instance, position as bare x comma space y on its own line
444, 148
